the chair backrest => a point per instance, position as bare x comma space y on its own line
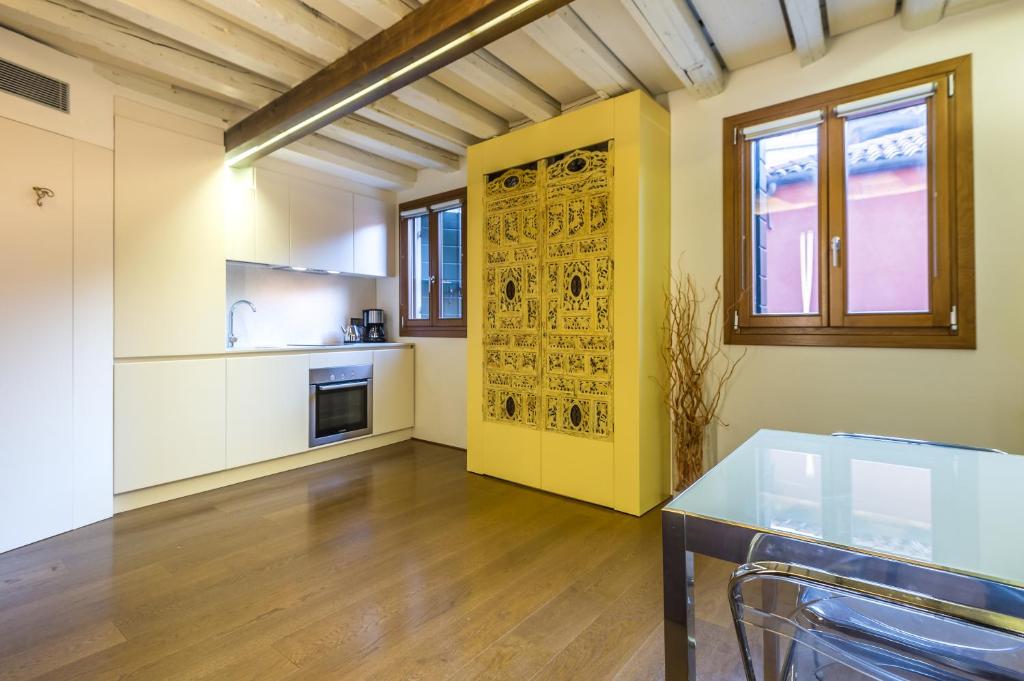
818, 625
911, 441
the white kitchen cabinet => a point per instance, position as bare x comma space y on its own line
325, 360
393, 390
36, 465
371, 218
169, 421
168, 240
321, 227
257, 217
267, 408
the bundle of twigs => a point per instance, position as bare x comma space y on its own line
697, 373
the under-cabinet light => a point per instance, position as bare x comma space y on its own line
486, 26
300, 269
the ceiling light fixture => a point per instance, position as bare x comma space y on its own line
313, 122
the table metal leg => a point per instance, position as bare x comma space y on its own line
677, 568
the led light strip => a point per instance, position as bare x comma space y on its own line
383, 81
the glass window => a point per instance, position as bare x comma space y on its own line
784, 223
433, 256
450, 225
419, 267
849, 216
887, 214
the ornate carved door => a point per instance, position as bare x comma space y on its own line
512, 297
577, 341
550, 343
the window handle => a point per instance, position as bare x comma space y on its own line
834, 245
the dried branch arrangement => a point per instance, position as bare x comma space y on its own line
698, 372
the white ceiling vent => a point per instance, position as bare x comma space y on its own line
29, 84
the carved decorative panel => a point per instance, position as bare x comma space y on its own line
577, 341
512, 297
550, 342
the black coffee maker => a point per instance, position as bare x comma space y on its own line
373, 326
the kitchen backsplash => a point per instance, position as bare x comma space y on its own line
294, 307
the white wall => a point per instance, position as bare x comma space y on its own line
953, 395
294, 307
440, 362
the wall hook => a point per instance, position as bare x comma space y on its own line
42, 193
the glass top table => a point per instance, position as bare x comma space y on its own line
946, 510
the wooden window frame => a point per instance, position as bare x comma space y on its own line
952, 215
435, 326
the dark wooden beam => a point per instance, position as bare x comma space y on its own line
433, 25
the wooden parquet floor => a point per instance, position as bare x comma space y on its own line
392, 564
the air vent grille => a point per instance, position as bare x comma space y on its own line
29, 84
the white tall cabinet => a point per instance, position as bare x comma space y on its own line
55, 354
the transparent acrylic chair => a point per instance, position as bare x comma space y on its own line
824, 614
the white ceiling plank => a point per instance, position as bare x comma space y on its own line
917, 14
808, 30
568, 38
849, 15
745, 32
675, 32
289, 23
356, 161
340, 13
523, 54
442, 102
179, 97
82, 31
211, 33
489, 72
617, 28
396, 114
383, 13
959, 6
383, 141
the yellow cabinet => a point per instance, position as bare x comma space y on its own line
569, 238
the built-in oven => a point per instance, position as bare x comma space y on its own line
340, 403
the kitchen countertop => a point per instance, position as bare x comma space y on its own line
315, 348
271, 350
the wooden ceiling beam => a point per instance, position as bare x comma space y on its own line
394, 113
808, 29
217, 109
917, 14
484, 69
676, 33
289, 23
442, 102
567, 37
357, 161
383, 141
211, 33
429, 38
81, 30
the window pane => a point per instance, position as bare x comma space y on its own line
450, 225
418, 239
784, 227
887, 214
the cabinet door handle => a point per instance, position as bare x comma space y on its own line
42, 193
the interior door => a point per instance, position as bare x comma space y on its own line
36, 254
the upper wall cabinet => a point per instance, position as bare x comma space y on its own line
257, 217
371, 217
277, 219
321, 227
168, 237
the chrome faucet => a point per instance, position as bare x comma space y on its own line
232, 338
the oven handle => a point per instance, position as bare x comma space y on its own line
339, 386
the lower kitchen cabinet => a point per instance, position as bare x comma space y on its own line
393, 390
267, 408
169, 421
